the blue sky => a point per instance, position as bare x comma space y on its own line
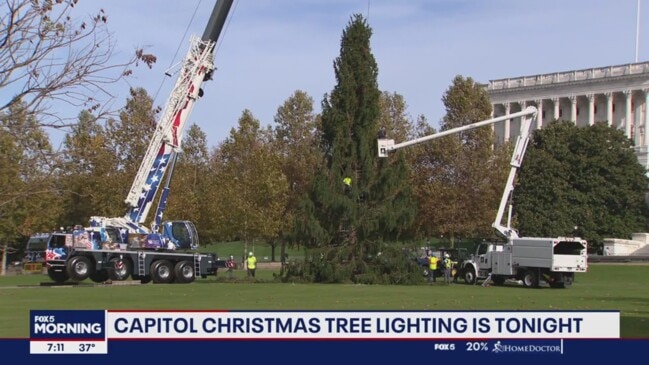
271, 48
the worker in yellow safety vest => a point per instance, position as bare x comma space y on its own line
347, 181
251, 262
432, 267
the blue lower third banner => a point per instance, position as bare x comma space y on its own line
320, 336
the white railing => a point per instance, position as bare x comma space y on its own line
577, 75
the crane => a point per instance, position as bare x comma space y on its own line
165, 144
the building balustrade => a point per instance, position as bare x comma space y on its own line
616, 94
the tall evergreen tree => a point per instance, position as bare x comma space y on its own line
352, 221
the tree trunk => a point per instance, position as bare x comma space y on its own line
282, 254
272, 251
3, 262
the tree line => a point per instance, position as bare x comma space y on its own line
282, 184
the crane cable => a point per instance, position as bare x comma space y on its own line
368, 10
180, 44
225, 29
182, 41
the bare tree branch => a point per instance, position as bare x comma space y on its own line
47, 57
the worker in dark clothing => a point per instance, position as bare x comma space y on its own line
230, 266
447, 269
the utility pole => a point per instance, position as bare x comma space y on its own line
637, 32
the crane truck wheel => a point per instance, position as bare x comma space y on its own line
184, 272
57, 276
120, 269
469, 275
99, 276
79, 268
162, 272
530, 279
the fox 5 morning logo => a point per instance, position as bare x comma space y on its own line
444, 347
67, 324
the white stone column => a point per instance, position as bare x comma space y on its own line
591, 108
627, 117
645, 141
539, 113
521, 104
492, 115
556, 108
573, 109
609, 108
507, 123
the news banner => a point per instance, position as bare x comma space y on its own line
484, 333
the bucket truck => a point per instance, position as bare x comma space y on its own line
528, 259
118, 247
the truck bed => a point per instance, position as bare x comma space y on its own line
556, 254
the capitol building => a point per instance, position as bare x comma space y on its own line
618, 95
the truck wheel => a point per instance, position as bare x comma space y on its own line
120, 269
469, 276
79, 268
564, 281
557, 285
57, 276
184, 272
99, 276
162, 272
530, 279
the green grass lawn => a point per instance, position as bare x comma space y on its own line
609, 287
263, 252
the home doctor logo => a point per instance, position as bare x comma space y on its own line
67, 324
541, 347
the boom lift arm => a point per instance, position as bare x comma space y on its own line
385, 146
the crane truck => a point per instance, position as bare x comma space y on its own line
118, 247
531, 260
